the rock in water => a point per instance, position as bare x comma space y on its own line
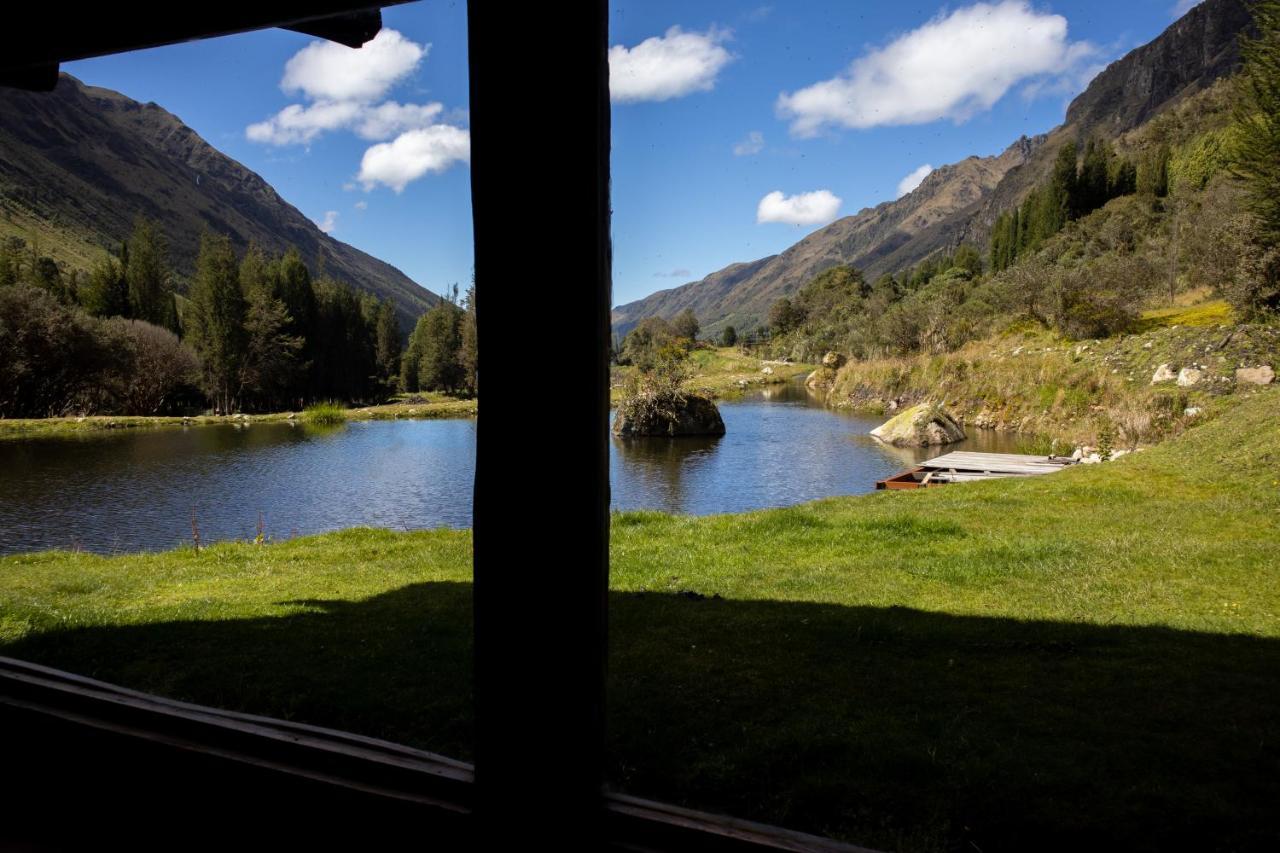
689, 415
920, 426
824, 377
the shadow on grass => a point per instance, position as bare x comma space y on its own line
888, 726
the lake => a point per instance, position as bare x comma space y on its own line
115, 492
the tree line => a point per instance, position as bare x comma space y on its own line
253, 332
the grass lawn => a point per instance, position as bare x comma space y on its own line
1085, 660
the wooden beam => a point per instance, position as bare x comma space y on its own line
540, 196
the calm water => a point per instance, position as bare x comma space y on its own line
136, 490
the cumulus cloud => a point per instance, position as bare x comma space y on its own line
299, 125
414, 154
753, 144
325, 70
329, 223
913, 180
667, 66
387, 119
952, 67
815, 208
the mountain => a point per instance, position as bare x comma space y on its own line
78, 165
959, 202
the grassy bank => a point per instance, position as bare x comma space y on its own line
423, 406
1088, 659
1033, 382
724, 372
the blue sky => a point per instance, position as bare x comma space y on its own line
747, 126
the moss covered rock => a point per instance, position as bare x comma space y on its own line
920, 426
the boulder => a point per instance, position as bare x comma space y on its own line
1262, 375
920, 426
821, 379
690, 414
1164, 373
1189, 376
767, 371
833, 361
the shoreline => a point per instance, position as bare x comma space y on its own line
16, 429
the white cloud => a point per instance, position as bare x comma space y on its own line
753, 144
813, 208
387, 119
413, 154
1182, 7
362, 205
325, 70
668, 66
952, 67
344, 86
299, 125
329, 223
913, 180
680, 272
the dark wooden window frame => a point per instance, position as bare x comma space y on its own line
87, 760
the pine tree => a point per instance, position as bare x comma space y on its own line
439, 368
1255, 156
147, 273
217, 319
388, 343
107, 293
469, 353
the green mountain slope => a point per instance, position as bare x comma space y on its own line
958, 203
78, 165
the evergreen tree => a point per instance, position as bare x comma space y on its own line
729, 336
147, 273
388, 343
217, 319
271, 364
1093, 182
469, 352
1062, 202
1255, 155
439, 368
106, 294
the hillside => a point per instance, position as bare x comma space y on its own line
961, 201
79, 164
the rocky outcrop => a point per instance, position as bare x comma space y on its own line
1164, 373
920, 426
688, 414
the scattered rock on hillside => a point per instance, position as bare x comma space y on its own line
1262, 375
688, 415
1164, 373
920, 426
1189, 376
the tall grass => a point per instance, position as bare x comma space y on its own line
324, 414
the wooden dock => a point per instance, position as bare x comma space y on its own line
964, 467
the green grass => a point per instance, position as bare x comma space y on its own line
325, 414
1215, 312
1085, 660
724, 372
1033, 382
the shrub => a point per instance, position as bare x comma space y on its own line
324, 414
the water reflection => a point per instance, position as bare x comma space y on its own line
136, 490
